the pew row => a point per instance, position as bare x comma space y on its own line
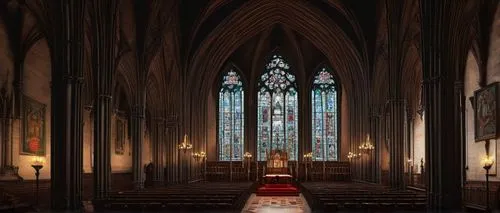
329, 197
186, 197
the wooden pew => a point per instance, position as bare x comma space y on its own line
198, 196
329, 196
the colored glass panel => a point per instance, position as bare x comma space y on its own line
324, 117
277, 110
231, 118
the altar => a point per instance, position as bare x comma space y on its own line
277, 181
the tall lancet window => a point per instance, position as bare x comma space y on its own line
231, 118
324, 97
277, 110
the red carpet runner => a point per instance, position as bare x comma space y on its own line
277, 190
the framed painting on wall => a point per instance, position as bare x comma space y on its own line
33, 142
120, 136
486, 112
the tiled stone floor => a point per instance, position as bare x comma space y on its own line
271, 204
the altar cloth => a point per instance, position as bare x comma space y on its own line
279, 175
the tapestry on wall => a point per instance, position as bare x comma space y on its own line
120, 136
33, 128
485, 114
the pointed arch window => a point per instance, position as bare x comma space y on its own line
231, 117
277, 121
324, 97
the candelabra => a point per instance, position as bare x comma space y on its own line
352, 155
37, 164
307, 160
367, 146
248, 157
199, 157
487, 164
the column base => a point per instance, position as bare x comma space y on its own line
10, 173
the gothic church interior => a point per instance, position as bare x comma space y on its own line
239, 105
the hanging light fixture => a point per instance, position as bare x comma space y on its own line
367, 146
185, 145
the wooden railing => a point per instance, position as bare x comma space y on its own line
474, 195
319, 171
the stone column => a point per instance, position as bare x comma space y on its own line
379, 142
168, 154
172, 151
374, 137
76, 137
157, 151
103, 27
102, 142
443, 106
397, 116
410, 146
460, 101
66, 106
137, 136
4, 127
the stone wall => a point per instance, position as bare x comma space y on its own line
476, 150
36, 86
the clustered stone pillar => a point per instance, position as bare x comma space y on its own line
443, 19
102, 140
460, 126
375, 138
157, 141
66, 105
396, 105
409, 145
397, 116
172, 159
4, 129
103, 28
379, 143
137, 136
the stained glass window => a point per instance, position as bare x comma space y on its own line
231, 119
324, 117
277, 110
